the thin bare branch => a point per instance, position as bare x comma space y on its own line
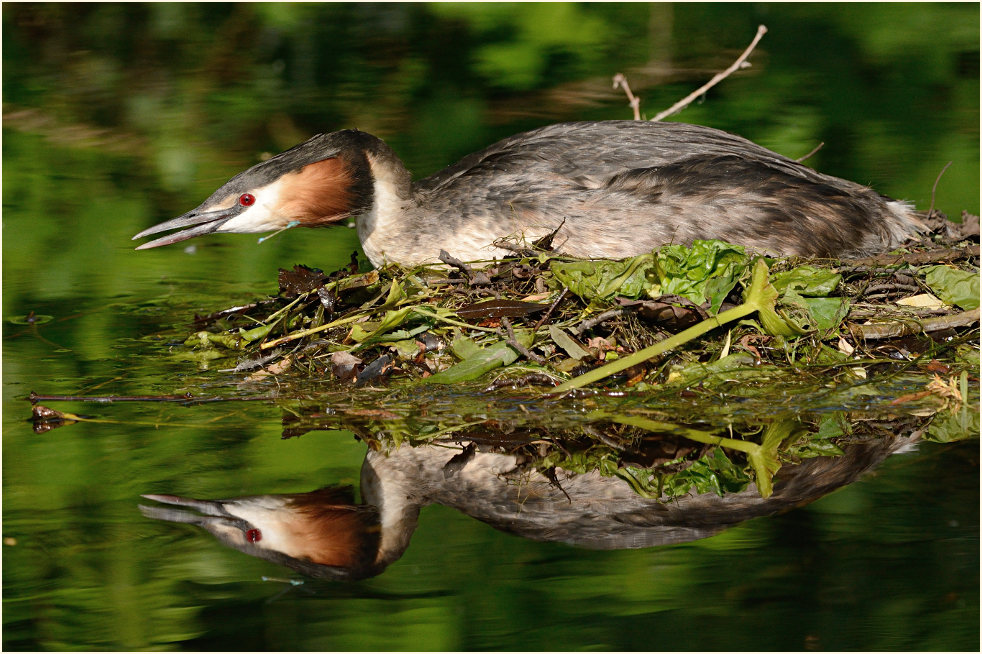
914, 258
592, 322
552, 308
814, 150
187, 398
935, 187
739, 63
633, 100
898, 328
518, 347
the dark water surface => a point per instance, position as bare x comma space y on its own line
119, 116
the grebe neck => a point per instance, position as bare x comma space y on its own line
384, 221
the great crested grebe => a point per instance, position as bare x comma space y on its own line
612, 189
326, 534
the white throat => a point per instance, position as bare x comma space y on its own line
380, 227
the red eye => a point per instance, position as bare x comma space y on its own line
253, 535
247, 199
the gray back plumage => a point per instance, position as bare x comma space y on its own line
625, 187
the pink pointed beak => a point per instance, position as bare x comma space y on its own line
191, 224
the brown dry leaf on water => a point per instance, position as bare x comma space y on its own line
344, 366
278, 368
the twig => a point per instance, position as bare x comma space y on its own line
518, 347
474, 277
935, 187
911, 258
187, 398
739, 63
518, 250
814, 150
906, 328
212, 317
596, 320
34, 398
537, 247
454, 262
633, 100
886, 289
608, 440
549, 311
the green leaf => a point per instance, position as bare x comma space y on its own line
206, 339
708, 270
807, 281
396, 293
804, 292
463, 347
405, 348
256, 333
399, 335
482, 361
565, 341
827, 312
368, 331
814, 312
713, 473
764, 459
956, 424
720, 368
957, 287
760, 296
603, 279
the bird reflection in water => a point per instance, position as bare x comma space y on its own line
326, 534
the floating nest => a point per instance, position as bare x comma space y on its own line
541, 319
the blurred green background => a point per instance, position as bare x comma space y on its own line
118, 116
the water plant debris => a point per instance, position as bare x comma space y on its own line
633, 323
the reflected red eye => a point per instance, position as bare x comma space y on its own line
254, 535
247, 199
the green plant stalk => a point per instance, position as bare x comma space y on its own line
277, 313
313, 330
349, 319
660, 347
636, 485
760, 297
692, 434
761, 457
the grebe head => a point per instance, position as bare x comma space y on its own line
320, 534
319, 182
